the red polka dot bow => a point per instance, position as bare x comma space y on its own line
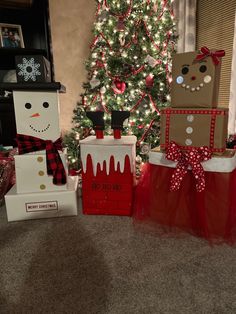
192, 158
215, 55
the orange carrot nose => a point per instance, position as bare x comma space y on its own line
35, 115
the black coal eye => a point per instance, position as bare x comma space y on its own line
28, 105
202, 68
46, 104
185, 70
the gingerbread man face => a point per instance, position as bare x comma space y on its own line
195, 83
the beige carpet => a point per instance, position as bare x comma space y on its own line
102, 264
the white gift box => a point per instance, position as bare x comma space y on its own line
101, 150
31, 173
42, 205
223, 163
37, 114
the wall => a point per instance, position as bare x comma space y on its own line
71, 25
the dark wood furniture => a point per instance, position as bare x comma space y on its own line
33, 16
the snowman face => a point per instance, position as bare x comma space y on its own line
37, 114
193, 81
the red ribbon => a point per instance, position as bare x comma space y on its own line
215, 55
27, 144
96, 38
99, 95
151, 100
145, 132
121, 16
150, 36
192, 158
132, 72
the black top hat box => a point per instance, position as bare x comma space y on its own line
32, 68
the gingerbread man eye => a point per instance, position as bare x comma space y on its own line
203, 68
28, 105
185, 70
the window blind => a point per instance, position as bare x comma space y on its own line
215, 29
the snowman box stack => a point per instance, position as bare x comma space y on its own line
108, 168
195, 120
43, 188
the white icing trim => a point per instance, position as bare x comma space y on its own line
102, 150
109, 140
215, 164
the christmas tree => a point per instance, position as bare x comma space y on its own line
129, 69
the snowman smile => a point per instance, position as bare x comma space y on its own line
40, 131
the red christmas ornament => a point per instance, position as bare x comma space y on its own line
99, 64
149, 81
118, 87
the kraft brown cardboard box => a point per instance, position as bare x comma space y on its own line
196, 82
194, 128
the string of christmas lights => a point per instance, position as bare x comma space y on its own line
129, 68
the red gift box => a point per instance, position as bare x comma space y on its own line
108, 172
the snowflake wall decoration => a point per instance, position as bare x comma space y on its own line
29, 69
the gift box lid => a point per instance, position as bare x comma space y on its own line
109, 140
223, 163
42, 86
7, 55
101, 151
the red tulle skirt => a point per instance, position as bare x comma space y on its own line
210, 214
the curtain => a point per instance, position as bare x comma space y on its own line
185, 14
232, 98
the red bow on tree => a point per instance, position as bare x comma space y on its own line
28, 144
215, 55
192, 158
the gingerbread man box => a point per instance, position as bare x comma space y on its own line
196, 79
191, 127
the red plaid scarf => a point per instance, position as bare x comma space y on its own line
28, 144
